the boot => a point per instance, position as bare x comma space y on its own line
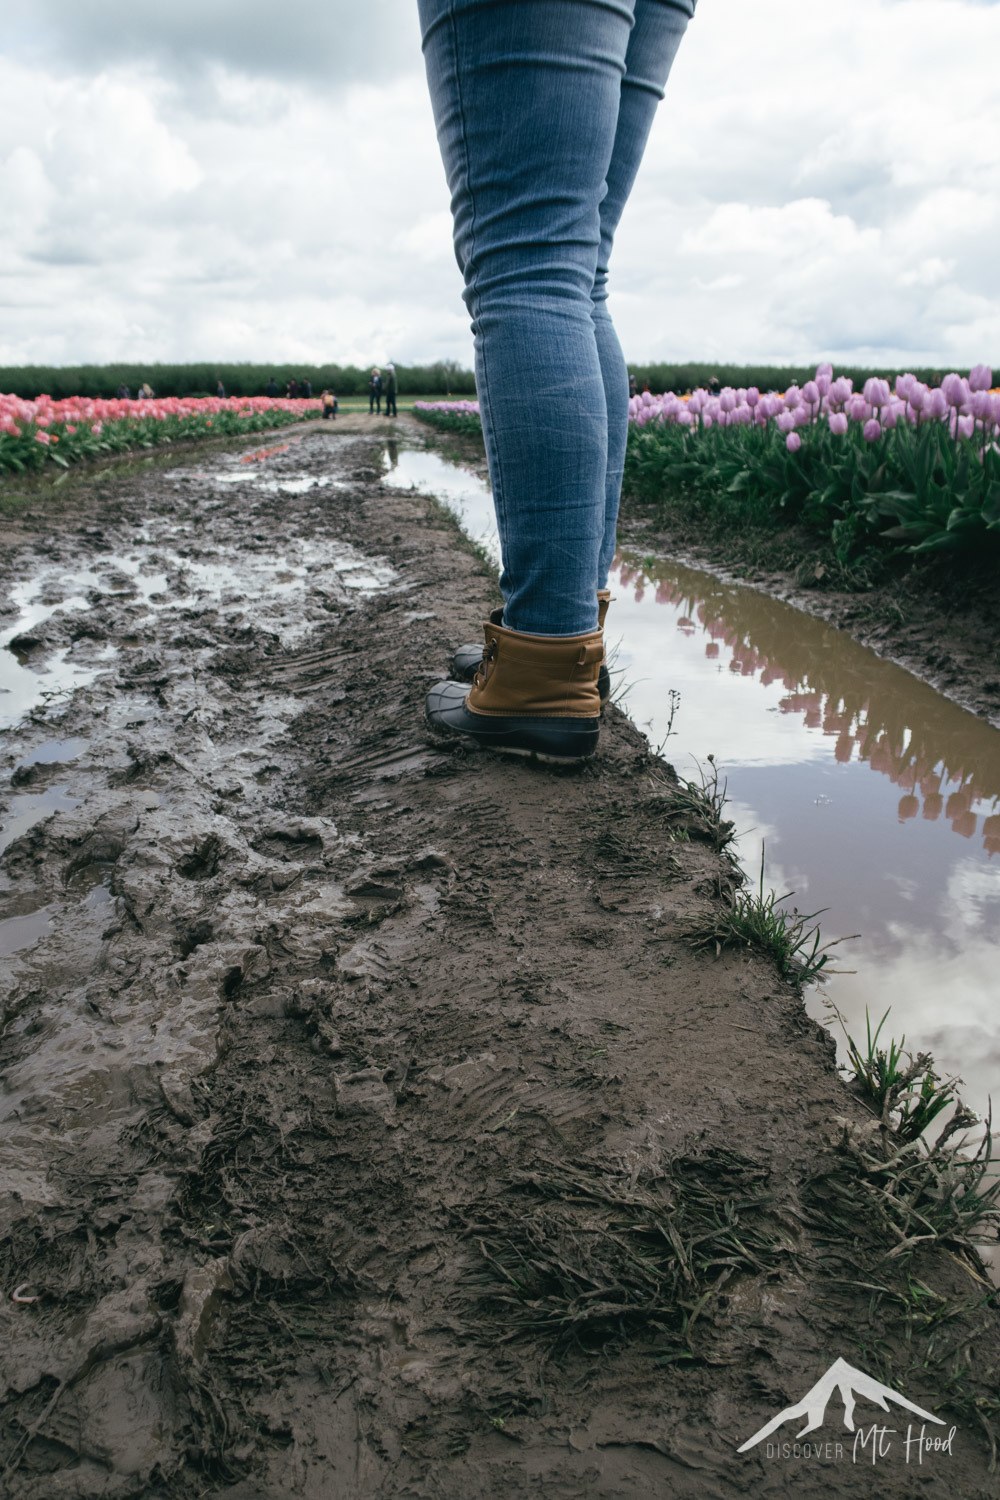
465, 661
532, 695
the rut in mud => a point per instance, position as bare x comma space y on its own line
371, 1126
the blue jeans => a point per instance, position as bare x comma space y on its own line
543, 109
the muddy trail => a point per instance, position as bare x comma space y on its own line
372, 1125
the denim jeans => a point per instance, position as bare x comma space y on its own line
543, 109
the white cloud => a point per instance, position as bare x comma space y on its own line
820, 181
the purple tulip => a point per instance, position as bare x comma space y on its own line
785, 421
824, 379
793, 442
840, 390
810, 392
752, 397
856, 408
838, 423
872, 430
956, 390
824, 371
917, 395
904, 385
877, 392
980, 378
792, 397
727, 399
966, 426
936, 404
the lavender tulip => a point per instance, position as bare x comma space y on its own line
810, 392
793, 442
838, 423
980, 378
872, 430
877, 392
936, 404
956, 390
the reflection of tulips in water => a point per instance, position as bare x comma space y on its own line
874, 713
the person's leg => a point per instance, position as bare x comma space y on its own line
656, 36
526, 97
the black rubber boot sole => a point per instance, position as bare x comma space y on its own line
465, 665
563, 742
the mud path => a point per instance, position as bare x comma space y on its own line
371, 1126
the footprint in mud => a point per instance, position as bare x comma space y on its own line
203, 861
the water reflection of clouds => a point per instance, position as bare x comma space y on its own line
797, 715
944, 761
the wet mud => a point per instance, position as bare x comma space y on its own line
371, 1126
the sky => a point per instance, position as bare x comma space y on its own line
242, 180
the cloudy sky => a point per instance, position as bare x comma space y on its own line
240, 179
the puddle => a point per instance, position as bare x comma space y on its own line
22, 931
29, 808
875, 798
467, 496
55, 752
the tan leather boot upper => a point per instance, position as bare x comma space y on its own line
603, 600
539, 676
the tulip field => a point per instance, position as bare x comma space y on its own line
910, 467
36, 433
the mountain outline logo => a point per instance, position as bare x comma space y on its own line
851, 1383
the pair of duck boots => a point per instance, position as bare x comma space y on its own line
538, 696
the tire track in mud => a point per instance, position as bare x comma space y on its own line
345, 1130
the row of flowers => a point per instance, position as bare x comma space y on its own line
967, 405
903, 467
33, 433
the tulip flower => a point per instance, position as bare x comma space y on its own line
872, 430
980, 378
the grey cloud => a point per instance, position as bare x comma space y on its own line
333, 44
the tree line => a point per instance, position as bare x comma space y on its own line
443, 378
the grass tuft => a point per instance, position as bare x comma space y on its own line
760, 920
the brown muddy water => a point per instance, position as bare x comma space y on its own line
871, 797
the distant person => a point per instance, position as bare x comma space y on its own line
220, 390
292, 389
375, 392
124, 394
329, 402
146, 391
272, 388
305, 388
389, 387
713, 385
